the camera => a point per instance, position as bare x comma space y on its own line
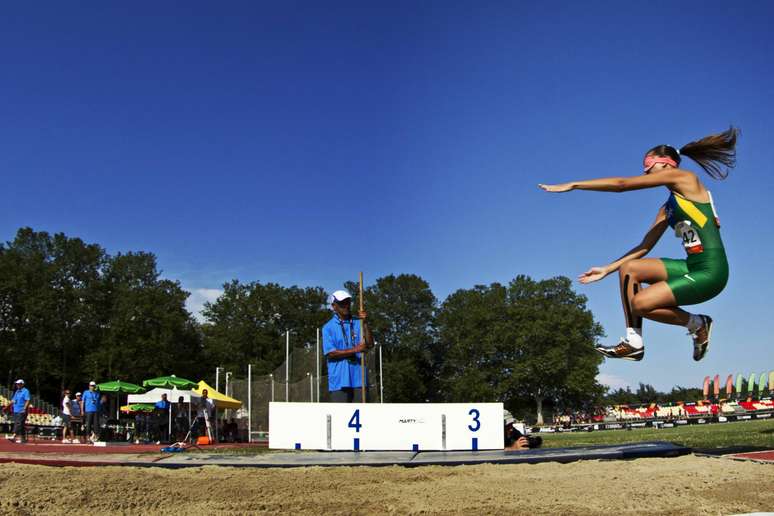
514, 431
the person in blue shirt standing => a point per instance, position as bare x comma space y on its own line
90, 409
161, 413
21, 402
344, 339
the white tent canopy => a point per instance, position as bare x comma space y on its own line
154, 395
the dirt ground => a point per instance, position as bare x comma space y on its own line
685, 485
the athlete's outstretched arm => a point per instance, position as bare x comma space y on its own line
650, 239
673, 178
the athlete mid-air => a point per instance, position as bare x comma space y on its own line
689, 210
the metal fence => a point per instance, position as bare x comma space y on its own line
302, 378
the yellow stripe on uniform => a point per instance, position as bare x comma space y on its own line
691, 210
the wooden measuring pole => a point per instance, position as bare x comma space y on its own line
362, 353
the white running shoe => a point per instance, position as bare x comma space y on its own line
622, 350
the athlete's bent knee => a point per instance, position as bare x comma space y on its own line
640, 306
627, 269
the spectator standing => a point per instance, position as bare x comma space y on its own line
344, 339
90, 410
104, 409
66, 417
232, 431
140, 427
162, 408
104, 417
76, 417
20, 402
204, 414
182, 419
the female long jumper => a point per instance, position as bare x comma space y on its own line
690, 211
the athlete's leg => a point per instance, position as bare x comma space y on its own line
670, 284
631, 275
657, 303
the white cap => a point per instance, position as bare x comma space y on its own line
78, 394
92, 383
508, 417
339, 295
19, 381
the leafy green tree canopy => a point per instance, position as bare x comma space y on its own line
247, 322
527, 340
401, 315
70, 312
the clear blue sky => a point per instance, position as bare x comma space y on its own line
301, 142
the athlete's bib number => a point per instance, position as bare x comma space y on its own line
689, 236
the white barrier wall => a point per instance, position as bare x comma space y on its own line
386, 426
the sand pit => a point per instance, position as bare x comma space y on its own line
685, 485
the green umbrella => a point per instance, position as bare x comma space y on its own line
138, 407
119, 386
170, 382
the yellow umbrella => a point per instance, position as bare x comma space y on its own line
221, 400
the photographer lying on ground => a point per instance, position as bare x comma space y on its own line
515, 439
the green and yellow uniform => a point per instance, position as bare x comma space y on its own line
704, 273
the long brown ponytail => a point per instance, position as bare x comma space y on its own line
714, 152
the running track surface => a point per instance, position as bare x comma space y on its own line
58, 447
760, 456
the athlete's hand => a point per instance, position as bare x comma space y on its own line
593, 274
563, 187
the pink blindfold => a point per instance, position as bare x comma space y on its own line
652, 160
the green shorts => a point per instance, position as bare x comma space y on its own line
698, 278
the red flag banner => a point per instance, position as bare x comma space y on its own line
729, 385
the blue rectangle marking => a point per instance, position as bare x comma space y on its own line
474, 444
356, 444
298, 446
415, 447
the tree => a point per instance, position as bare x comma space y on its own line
146, 329
247, 322
621, 396
529, 340
48, 289
647, 394
401, 315
69, 313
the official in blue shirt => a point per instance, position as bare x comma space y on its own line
162, 415
344, 339
162, 404
21, 402
90, 409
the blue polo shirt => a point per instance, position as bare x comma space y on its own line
20, 397
345, 372
161, 404
90, 401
